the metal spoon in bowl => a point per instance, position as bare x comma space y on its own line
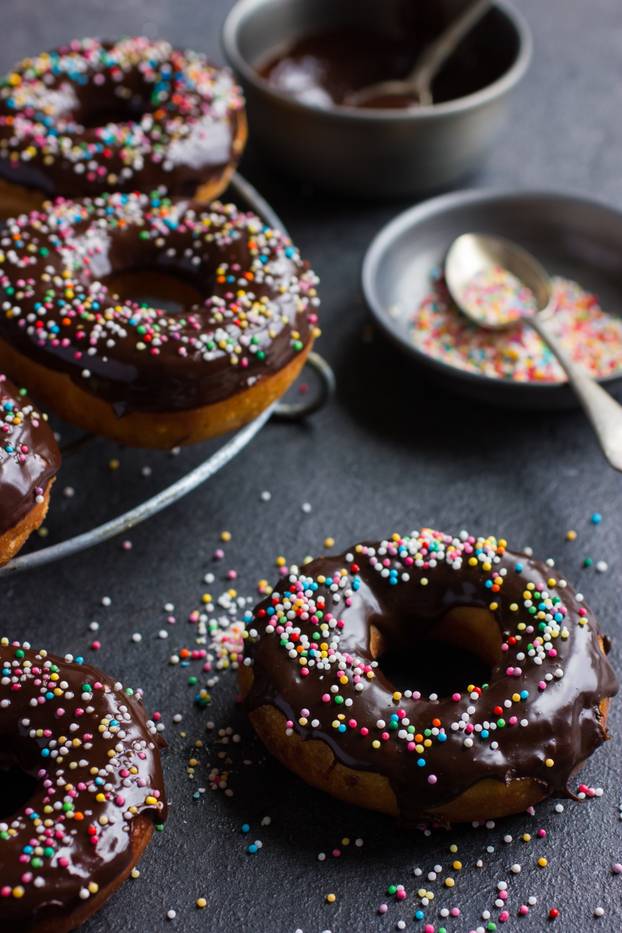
470, 256
418, 84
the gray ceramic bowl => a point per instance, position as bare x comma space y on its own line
372, 153
572, 236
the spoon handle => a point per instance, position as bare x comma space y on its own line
437, 53
604, 413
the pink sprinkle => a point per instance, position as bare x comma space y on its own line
503, 916
523, 910
616, 868
432, 779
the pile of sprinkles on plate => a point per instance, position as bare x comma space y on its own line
592, 337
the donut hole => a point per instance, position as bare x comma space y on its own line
437, 658
171, 290
125, 105
17, 775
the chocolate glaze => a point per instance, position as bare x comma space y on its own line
323, 69
257, 309
29, 455
130, 115
95, 715
563, 720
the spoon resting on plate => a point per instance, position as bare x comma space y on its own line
475, 255
418, 84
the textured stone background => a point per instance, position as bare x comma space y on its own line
391, 452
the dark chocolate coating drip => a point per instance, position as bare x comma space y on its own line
29, 455
131, 115
75, 830
558, 723
323, 69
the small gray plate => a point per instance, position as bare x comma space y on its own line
572, 236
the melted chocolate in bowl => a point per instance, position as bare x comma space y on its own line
325, 68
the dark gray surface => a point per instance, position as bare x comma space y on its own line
391, 452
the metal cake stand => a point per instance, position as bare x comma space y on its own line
284, 411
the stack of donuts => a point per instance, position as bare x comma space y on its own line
112, 156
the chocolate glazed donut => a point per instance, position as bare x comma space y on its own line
82, 791
29, 461
317, 695
72, 329
130, 115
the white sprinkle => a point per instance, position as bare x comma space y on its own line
137, 637
106, 601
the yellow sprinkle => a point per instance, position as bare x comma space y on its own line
453, 847
551, 582
225, 536
329, 542
331, 898
18, 891
449, 882
280, 561
135, 873
526, 837
376, 744
571, 535
549, 762
543, 862
493, 606
114, 464
201, 903
456, 865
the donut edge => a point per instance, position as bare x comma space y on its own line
13, 539
142, 830
59, 393
313, 761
